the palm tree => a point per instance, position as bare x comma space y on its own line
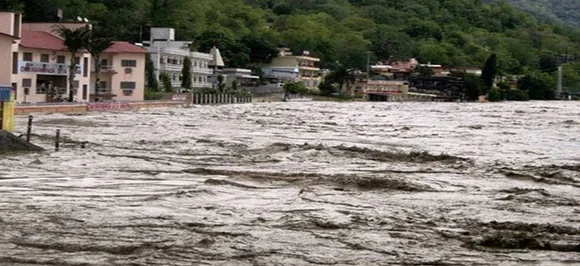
96, 45
75, 40
342, 76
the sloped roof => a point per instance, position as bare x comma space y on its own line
41, 40
125, 47
8, 35
216, 56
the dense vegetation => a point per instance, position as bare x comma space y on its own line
459, 33
560, 11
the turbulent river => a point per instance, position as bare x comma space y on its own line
298, 184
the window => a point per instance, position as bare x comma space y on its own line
15, 63
77, 60
76, 84
104, 62
60, 59
44, 58
103, 85
85, 91
85, 67
27, 83
128, 63
27, 57
128, 85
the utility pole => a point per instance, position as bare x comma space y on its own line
368, 65
559, 86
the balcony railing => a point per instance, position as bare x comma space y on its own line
102, 91
46, 68
104, 70
170, 67
202, 70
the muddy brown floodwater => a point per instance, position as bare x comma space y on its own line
299, 184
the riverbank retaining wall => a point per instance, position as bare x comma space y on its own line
80, 108
175, 100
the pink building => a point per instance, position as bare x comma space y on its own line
122, 75
39, 64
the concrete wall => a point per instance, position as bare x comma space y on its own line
92, 107
6, 59
7, 23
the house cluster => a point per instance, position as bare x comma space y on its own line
168, 56
36, 65
393, 82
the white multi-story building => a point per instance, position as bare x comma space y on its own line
168, 56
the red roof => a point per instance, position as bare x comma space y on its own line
41, 40
125, 47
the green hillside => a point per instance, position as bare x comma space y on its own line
561, 11
459, 33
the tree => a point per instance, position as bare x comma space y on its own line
235, 87
391, 43
75, 40
295, 88
326, 88
473, 86
96, 45
489, 71
166, 81
221, 84
186, 74
424, 71
152, 82
343, 77
539, 86
494, 95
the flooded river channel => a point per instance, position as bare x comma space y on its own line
311, 183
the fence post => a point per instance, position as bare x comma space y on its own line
57, 140
29, 129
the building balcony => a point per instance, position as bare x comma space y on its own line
102, 91
202, 70
104, 70
170, 67
41, 68
309, 68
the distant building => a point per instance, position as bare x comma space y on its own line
390, 91
122, 75
168, 56
243, 77
294, 68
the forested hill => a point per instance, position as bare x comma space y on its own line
562, 11
449, 32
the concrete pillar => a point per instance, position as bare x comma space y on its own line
205, 99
